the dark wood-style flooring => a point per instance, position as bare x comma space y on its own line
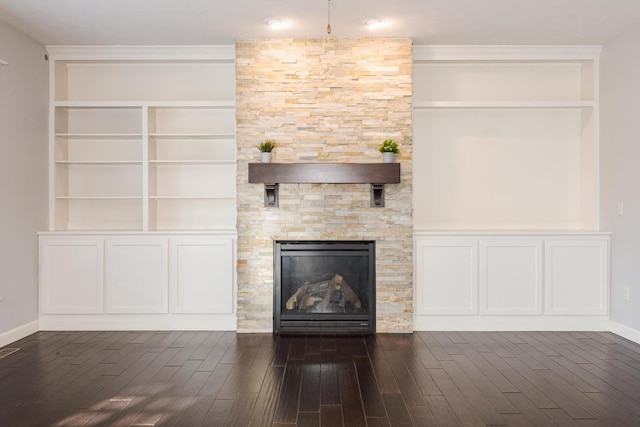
223, 378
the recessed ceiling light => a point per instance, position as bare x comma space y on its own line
275, 24
374, 24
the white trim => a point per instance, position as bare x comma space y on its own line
503, 233
255, 331
504, 52
625, 331
19, 333
142, 53
511, 323
138, 322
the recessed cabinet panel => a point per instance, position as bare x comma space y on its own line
576, 276
511, 277
201, 276
137, 275
447, 274
71, 276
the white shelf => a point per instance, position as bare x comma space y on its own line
98, 135
193, 135
502, 104
99, 162
99, 197
141, 104
222, 197
192, 162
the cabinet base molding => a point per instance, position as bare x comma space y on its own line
19, 333
512, 323
142, 322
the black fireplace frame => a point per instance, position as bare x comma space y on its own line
323, 323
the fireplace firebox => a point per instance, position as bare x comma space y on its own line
324, 287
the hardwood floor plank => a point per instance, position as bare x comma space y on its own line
329, 385
407, 385
287, 408
268, 397
524, 386
201, 378
533, 413
462, 408
331, 416
203, 401
371, 399
484, 385
444, 415
310, 389
398, 412
561, 397
434, 346
422, 416
478, 401
308, 419
384, 374
352, 411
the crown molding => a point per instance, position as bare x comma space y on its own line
504, 52
142, 53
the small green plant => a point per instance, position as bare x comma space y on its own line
389, 146
266, 146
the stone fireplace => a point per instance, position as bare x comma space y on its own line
324, 286
324, 101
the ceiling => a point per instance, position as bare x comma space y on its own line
211, 22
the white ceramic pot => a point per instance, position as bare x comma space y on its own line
265, 157
388, 157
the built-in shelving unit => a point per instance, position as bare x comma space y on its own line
506, 138
506, 189
142, 139
142, 172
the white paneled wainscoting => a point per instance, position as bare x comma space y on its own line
137, 281
511, 281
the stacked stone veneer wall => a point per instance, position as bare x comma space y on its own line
324, 100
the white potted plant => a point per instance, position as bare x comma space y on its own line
265, 148
389, 148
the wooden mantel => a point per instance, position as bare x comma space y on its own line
376, 174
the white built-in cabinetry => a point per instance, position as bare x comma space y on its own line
137, 281
142, 156
506, 188
511, 280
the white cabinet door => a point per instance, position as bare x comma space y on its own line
71, 275
511, 276
576, 277
447, 277
137, 275
201, 275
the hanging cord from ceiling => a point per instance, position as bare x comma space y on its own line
329, 17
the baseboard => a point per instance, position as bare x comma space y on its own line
139, 322
19, 333
511, 323
625, 332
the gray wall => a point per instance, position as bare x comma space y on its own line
620, 170
24, 90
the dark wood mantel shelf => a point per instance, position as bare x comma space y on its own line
376, 174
